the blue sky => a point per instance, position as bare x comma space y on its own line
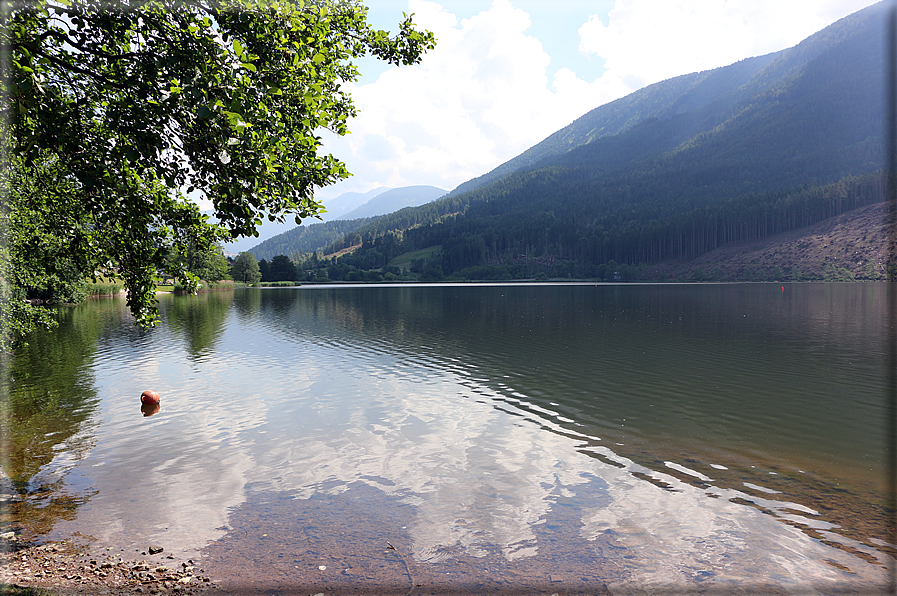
508, 73
554, 24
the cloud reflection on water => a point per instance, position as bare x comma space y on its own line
479, 475
309, 396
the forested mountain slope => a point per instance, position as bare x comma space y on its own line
856, 245
673, 171
307, 238
336, 209
715, 93
661, 100
310, 238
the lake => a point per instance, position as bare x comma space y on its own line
470, 438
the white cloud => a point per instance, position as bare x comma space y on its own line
480, 98
646, 41
484, 94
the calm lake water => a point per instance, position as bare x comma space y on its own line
477, 438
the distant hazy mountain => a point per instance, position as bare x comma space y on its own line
339, 207
395, 199
266, 230
336, 207
316, 235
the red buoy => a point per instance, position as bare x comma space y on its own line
149, 397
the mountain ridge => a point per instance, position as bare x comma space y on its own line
395, 199
687, 165
339, 206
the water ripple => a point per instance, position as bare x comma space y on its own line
654, 422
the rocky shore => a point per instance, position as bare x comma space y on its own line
67, 569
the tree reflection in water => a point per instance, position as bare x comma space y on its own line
47, 409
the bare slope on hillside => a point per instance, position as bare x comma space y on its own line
853, 246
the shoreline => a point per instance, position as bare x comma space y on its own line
68, 569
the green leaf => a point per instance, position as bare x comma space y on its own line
110, 139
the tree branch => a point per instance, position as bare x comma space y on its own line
71, 67
68, 40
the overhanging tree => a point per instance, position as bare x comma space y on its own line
132, 101
207, 265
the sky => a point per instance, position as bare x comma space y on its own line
505, 74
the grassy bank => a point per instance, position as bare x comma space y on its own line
207, 286
103, 289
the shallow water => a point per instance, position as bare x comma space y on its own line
581, 437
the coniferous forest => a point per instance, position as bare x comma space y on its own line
677, 169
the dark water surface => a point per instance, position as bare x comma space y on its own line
578, 438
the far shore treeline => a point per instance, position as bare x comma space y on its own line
546, 246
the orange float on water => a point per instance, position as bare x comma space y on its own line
149, 397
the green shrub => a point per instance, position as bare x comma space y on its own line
278, 284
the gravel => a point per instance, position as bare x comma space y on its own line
65, 569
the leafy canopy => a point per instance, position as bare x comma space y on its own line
131, 101
246, 269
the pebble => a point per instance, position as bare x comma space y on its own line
63, 566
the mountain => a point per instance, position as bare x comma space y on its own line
395, 199
713, 97
339, 207
307, 238
335, 207
662, 100
740, 153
